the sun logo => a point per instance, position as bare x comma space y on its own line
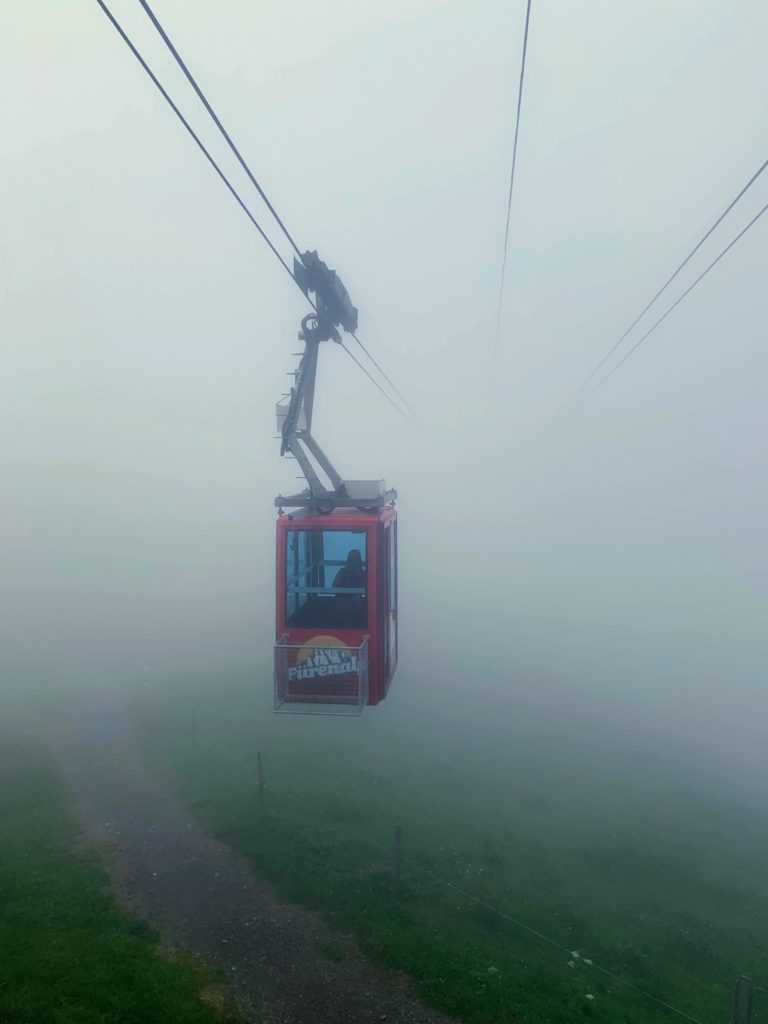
323, 643
323, 656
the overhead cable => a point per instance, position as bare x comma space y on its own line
686, 292
373, 380
196, 138
512, 173
241, 160
191, 79
123, 35
670, 279
397, 391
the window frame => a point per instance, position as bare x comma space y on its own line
303, 536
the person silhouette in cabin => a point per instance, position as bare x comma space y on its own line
351, 575
350, 608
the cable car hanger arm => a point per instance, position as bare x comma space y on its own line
334, 309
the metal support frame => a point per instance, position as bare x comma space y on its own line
297, 439
333, 309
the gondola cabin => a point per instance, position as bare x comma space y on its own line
336, 648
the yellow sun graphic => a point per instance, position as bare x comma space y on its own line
308, 649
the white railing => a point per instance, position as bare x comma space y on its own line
321, 678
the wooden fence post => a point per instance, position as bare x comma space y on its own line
742, 1013
260, 778
195, 748
397, 865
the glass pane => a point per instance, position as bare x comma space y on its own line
290, 570
326, 582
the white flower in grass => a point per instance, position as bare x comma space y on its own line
575, 954
590, 996
587, 961
571, 963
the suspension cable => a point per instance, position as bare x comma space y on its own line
397, 391
201, 96
670, 279
512, 174
373, 380
123, 35
241, 160
196, 138
686, 292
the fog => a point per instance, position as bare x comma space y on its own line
593, 562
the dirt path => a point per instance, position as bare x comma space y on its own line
201, 897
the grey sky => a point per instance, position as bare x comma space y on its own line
616, 545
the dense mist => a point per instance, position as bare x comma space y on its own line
578, 567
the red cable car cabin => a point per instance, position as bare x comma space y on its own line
336, 647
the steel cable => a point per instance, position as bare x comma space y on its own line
512, 174
241, 160
201, 96
123, 35
203, 99
373, 380
397, 391
672, 277
196, 138
687, 291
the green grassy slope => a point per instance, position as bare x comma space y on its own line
68, 955
643, 876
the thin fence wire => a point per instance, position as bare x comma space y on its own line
249, 769
489, 907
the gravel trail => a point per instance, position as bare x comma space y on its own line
202, 897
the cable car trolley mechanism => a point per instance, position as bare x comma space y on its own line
336, 607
